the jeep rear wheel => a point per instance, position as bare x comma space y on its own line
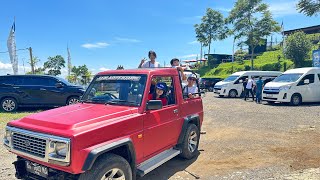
9, 105
109, 167
190, 142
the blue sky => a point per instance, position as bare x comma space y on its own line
103, 34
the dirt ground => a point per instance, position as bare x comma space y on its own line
243, 140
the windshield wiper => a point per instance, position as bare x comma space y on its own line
118, 101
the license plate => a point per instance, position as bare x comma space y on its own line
269, 95
37, 169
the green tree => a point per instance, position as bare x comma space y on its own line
211, 28
120, 67
54, 65
252, 23
80, 74
309, 7
297, 48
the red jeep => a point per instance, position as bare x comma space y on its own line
110, 134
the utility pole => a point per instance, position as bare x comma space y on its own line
31, 60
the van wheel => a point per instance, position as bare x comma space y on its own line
73, 100
109, 166
190, 142
210, 89
9, 105
233, 93
296, 100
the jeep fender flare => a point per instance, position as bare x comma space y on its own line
194, 119
95, 153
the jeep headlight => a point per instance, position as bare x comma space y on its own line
284, 88
59, 152
7, 137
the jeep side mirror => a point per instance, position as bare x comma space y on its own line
154, 104
306, 81
59, 85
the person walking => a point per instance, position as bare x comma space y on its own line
150, 64
259, 86
244, 84
249, 88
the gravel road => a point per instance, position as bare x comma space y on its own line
243, 140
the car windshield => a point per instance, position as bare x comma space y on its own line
288, 78
230, 78
64, 81
116, 89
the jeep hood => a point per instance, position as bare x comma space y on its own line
73, 117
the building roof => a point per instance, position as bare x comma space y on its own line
307, 30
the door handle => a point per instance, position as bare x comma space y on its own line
175, 111
42, 89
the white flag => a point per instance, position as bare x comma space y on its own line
11, 44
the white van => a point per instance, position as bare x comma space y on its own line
294, 86
232, 86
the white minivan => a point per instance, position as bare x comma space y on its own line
232, 86
294, 86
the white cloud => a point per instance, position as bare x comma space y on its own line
190, 56
95, 45
129, 40
193, 42
279, 9
6, 68
103, 69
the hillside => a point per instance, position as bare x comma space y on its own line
268, 61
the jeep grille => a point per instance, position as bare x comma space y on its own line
29, 144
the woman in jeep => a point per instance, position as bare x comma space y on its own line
159, 93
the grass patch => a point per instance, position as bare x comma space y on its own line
6, 117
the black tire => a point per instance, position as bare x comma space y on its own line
296, 100
221, 96
9, 105
233, 93
73, 100
105, 165
210, 89
190, 152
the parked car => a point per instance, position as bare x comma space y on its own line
232, 86
294, 86
208, 83
36, 91
110, 135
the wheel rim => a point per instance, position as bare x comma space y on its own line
233, 94
193, 140
114, 174
210, 89
296, 100
8, 105
73, 101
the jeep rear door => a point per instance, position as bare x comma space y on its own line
161, 127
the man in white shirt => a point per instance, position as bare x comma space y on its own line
175, 63
150, 64
249, 88
190, 88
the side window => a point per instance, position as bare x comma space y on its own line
309, 77
241, 78
168, 95
48, 81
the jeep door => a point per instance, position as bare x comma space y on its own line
161, 127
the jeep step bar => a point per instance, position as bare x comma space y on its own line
156, 161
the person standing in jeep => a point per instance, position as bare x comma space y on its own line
150, 64
110, 134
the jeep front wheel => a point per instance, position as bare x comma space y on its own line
109, 167
190, 142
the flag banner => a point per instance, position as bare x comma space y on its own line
69, 62
11, 44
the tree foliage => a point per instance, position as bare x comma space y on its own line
297, 48
54, 65
80, 74
309, 7
211, 28
120, 67
252, 23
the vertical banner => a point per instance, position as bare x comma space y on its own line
69, 62
316, 58
11, 44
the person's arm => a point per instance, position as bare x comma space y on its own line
141, 63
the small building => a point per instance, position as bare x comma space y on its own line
220, 58
307, 30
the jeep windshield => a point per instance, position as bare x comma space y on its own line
288, 77
116, 90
